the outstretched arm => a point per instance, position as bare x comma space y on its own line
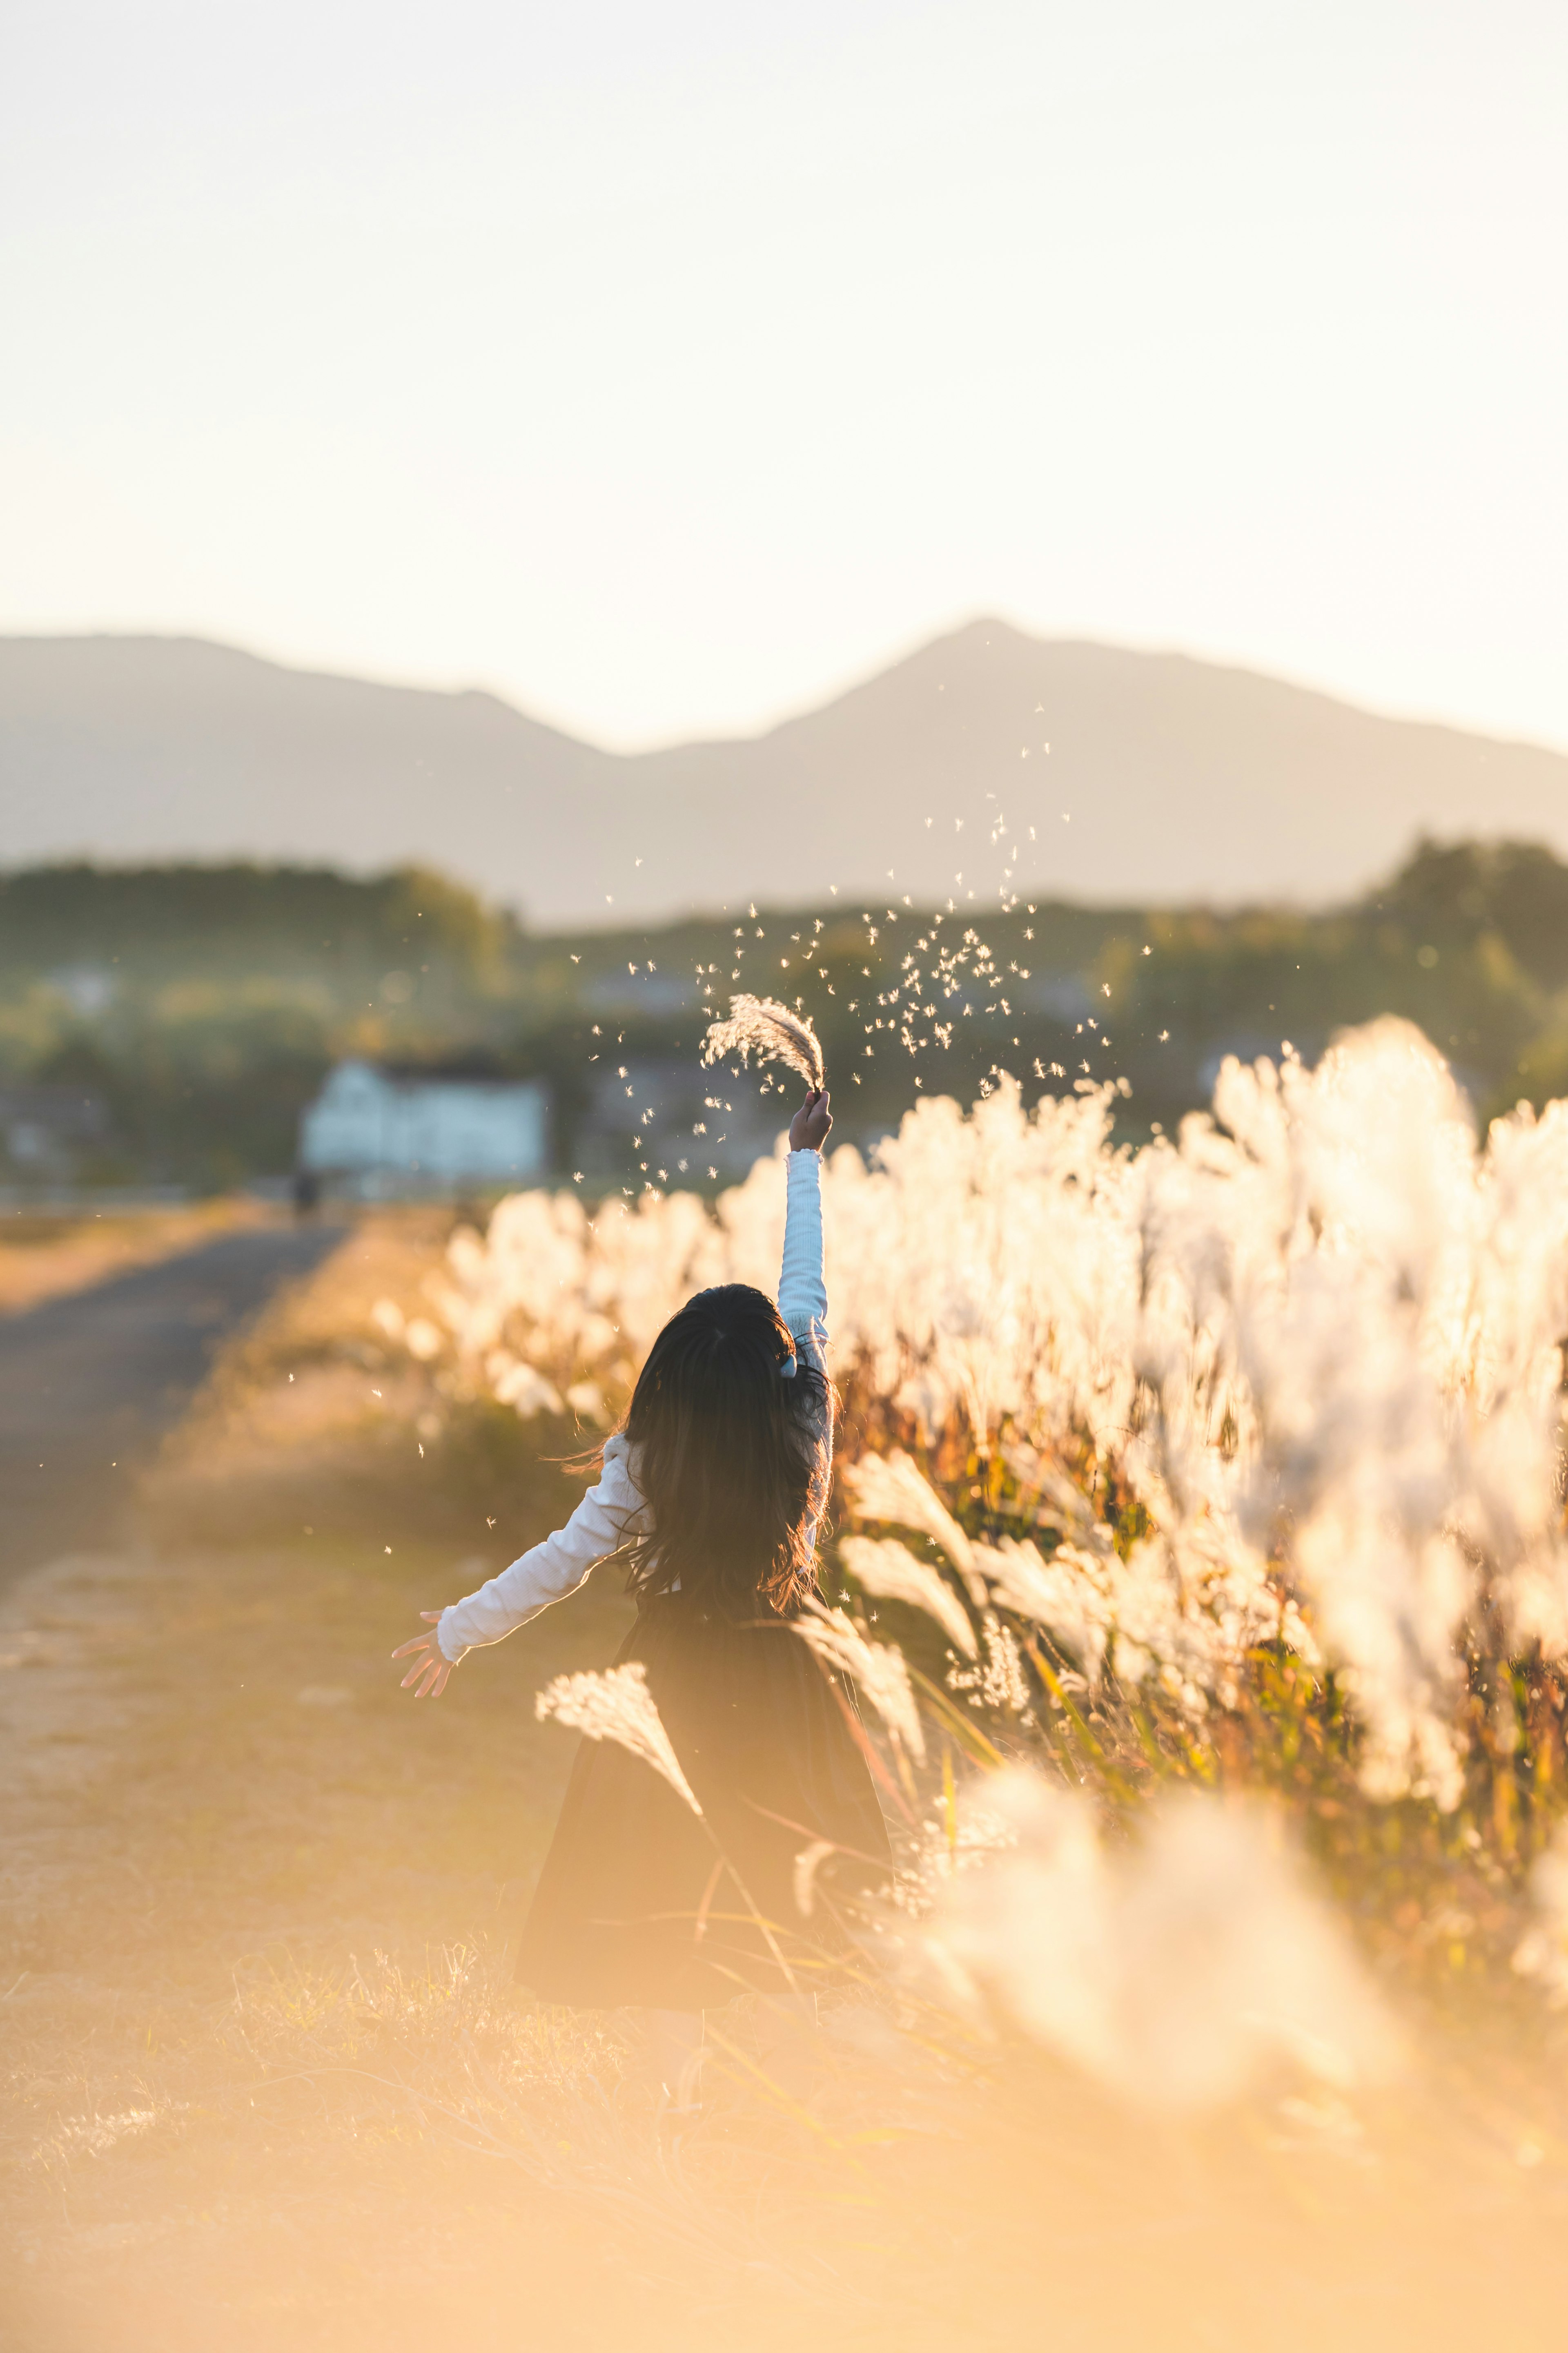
610, 1512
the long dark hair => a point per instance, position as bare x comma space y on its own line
733, 1458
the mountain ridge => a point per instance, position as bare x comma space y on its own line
983, 761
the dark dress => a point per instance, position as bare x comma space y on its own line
638, 1900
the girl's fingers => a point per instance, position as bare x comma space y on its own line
430, 1661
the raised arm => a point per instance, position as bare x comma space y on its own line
803, 1292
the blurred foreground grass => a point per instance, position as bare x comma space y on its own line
269, 2084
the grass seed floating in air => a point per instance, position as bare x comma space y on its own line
762, 1025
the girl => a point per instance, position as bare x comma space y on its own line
711, 1491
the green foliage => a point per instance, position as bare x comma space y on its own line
1455, 895
204, 1003
178, 918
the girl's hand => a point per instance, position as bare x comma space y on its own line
430, 1668
809, 1128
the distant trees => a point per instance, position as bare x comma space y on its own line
181, 916
202, 1004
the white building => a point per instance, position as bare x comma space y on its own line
399, 1130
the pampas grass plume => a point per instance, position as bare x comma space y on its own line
877, 1667
890, 1570
761, 1025
616, 1705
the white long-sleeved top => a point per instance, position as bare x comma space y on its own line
614, 1509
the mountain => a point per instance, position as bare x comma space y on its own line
1076, 769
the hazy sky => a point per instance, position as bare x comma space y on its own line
666, 365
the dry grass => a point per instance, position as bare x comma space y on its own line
44, 1255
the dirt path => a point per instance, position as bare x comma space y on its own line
45, 1254
89, 1382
